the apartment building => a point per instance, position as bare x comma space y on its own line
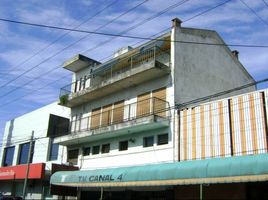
30, 137
123, 112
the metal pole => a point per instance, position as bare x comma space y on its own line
28, 166
201, 192
101, 197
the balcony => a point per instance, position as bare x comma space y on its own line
120, 73
141, 116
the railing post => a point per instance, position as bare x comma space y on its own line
153, 103
154, 54
129, 111
112, 72
131, 62
88, 123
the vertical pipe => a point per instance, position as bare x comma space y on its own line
265, 117
230, 127
179, 135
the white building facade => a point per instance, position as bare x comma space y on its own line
43, 124
123, 112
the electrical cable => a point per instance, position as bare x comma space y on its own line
254, 12
68, 46
61, 36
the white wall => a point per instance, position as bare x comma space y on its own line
135, 155
18, 131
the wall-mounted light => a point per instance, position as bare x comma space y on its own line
132, 140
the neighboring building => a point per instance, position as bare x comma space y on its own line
45, 124
124, 125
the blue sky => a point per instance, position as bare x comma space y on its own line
233, 21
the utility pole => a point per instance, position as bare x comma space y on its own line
28, 165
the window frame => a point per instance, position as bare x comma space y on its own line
5, 156
165, 141
74, 159
121, 144
86, 149
94, 148
51, 157
145, 142
105, 148
19, 162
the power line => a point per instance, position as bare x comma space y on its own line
14, 100
208, 10
45, 60
265, 3
254, 12
154, 39
166, 29
61, 36
136, 25
198, 100
220, 93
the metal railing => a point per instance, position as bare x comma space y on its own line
116, 115
116, 67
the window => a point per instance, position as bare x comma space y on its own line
123, 145
73, 156
105, 148
86, 151
57, 126
8, 156
54, 150
96, 150
148, 141
24, 151
162, 139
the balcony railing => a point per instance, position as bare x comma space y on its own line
103, 118
104, 73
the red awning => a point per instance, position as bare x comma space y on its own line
36, 171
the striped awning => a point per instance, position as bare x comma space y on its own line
217, 170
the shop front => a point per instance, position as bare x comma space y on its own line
234, 177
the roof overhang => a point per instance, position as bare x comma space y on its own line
217, 170
78, 62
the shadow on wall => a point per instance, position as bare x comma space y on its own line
10, 130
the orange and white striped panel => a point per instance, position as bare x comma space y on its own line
248, 124
205, 131
234, 126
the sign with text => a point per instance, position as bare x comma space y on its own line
36, 171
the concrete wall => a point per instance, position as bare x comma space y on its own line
202, 70
127, 95
135, 155
18, 131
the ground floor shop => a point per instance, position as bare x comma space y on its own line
241, 177
253, 190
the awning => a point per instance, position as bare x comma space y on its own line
217, 170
